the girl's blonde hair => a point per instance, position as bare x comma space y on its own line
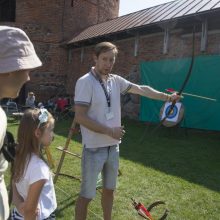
28, 143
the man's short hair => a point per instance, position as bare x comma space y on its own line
104, 47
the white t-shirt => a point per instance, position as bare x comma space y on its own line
30, 101
4, 208
37, 170
88, 91
3, 126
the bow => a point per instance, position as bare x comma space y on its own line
145, 212
181, 89
185, 81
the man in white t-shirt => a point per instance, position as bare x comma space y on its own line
98, 111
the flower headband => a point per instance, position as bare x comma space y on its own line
43, 117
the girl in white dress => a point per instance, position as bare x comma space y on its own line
31, 175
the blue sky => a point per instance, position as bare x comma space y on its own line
129, 6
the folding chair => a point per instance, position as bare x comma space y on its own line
11, 107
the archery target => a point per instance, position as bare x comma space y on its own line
174, 112
175, 115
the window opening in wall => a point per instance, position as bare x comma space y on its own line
7, 10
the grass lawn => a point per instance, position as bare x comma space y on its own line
183, 171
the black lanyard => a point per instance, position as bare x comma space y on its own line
104, 89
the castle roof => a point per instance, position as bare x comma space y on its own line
171, 11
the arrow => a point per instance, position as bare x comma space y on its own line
193, 95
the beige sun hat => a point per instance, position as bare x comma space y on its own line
16, 51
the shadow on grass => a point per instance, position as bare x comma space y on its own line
195, 157
64, 204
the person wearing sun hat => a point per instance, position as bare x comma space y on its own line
17, 59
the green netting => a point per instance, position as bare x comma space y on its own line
204, 81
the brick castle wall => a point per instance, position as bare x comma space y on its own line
51, 23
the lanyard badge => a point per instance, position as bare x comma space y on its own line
108, 113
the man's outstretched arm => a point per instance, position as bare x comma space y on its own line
151, 93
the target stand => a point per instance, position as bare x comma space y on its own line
172, 122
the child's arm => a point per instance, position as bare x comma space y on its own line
17, 200
31, 202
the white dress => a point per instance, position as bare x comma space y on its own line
37, 170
